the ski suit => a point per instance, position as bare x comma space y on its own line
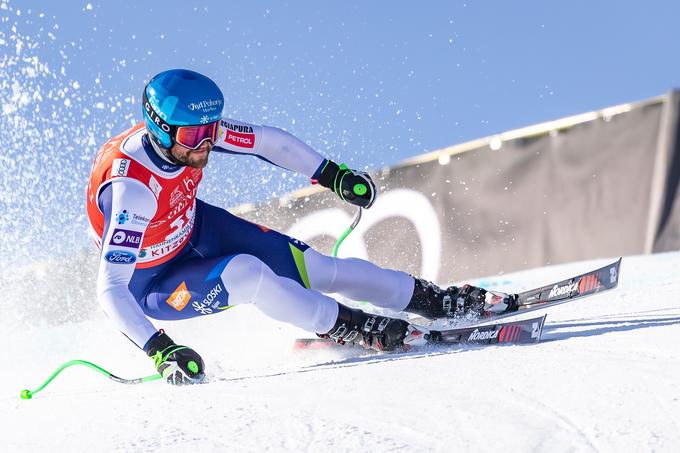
167, 255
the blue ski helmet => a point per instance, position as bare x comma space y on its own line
179, 97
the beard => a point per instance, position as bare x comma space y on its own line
192, 158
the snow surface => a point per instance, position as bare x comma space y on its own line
604, 378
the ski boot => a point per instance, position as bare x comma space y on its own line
433, 302
375, 332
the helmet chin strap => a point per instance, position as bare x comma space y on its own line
163, 152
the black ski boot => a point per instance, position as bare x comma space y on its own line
431, 301
375, 332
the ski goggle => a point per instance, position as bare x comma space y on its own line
192, 137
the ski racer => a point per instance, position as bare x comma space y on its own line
167, 255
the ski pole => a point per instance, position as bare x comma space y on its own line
27, 394
351, 228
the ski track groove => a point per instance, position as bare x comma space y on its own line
562, 417
313, 428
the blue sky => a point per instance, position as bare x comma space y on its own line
379, 81
367, 83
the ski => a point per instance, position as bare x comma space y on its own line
523, 331
589, 283
516, 332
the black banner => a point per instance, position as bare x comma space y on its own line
597, 185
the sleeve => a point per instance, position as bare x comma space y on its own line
124, 202
271, 144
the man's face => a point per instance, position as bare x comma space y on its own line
195, 158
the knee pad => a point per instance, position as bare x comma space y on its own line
321, 269
242, 278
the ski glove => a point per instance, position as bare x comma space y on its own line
352, 186
177, 364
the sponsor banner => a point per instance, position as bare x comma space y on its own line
126, 238
549, 198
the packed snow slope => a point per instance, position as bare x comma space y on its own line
606, 377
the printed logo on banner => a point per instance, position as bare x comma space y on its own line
397, 203
211, 298
120, 167
155, 186
122, 217
558, 291
190, 187
181, 230
168, 167
238, 135
140, 220
120, 257
156, 223
206, 105
176, 196
241, 140
476, 335
180, 297
201, 308
126, 238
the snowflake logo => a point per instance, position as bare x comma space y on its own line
122, 217
201, 308
205, 119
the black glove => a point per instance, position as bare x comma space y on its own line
353, 186
177, 364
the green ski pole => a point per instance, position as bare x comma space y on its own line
351, 228
28, 394
344, 235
